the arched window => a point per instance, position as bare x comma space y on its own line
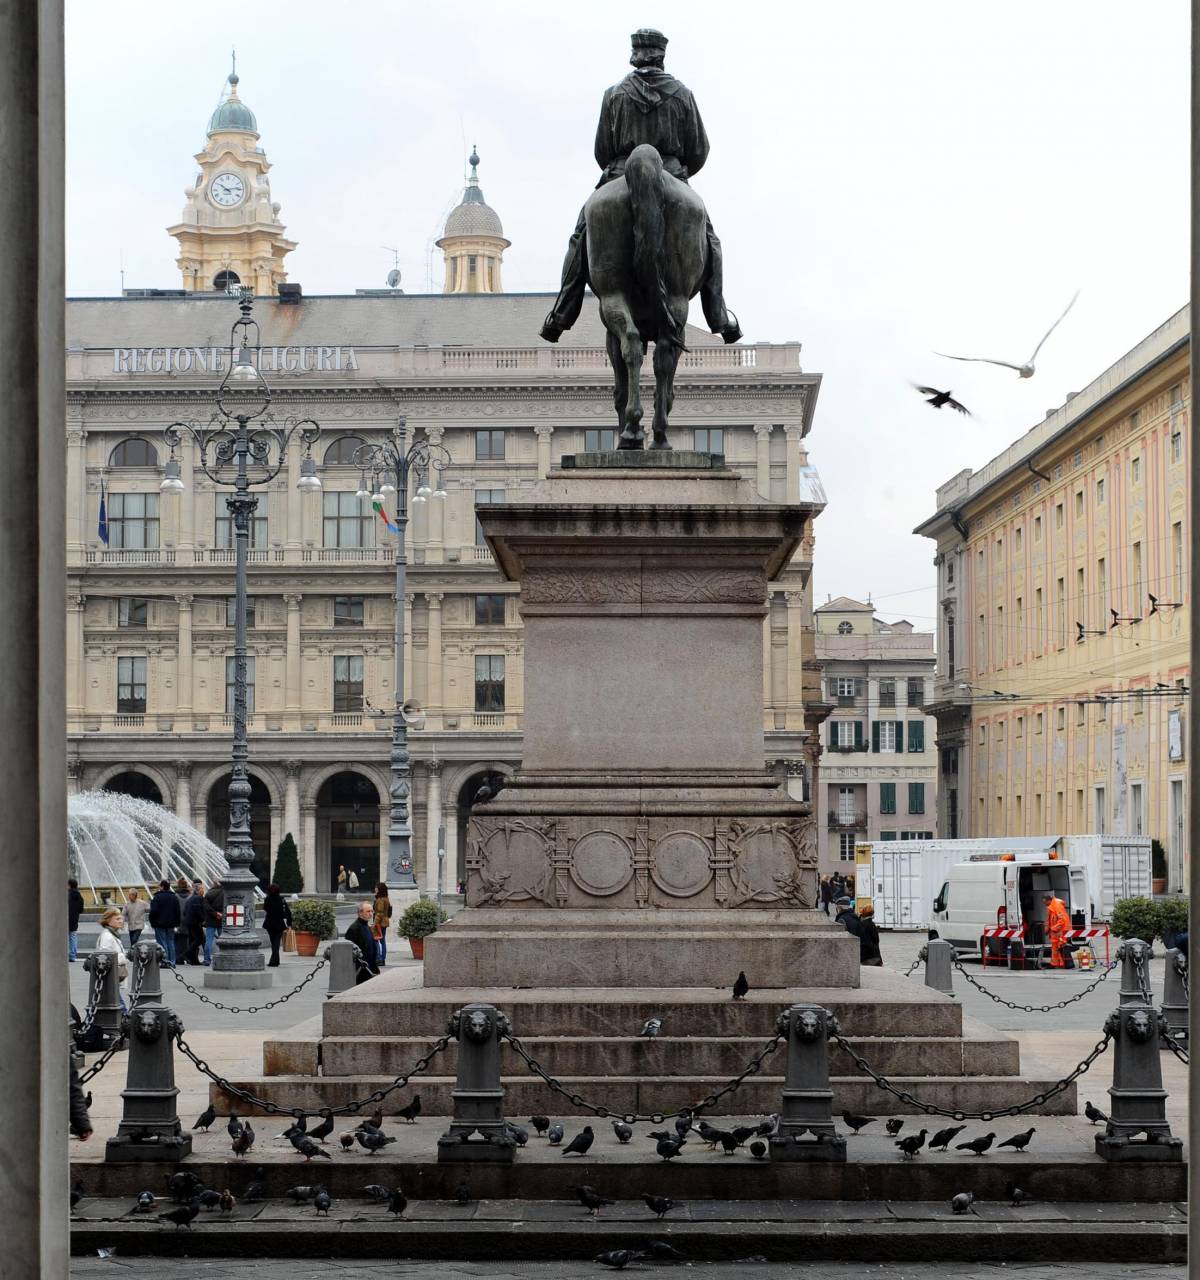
845, 628
134, 452
341, 451
225, 280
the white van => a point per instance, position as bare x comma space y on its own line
1005, 890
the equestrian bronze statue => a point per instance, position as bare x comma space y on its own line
644, 241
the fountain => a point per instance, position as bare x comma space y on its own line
117, 842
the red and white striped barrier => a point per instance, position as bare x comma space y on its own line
1087, 935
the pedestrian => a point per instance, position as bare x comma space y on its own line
352, 880
277, 916
359, 933
214, 916
868, 937
80, 1123
109, 940
183, 891
381, 919
826, 893
1058, 923
193, 919
165, 916
341, 879
837, 886
74, 911
846, 917
134, 911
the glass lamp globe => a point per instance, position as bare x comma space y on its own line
172, 482
309, 481
363, 492
440, 494
243, 367
387, 488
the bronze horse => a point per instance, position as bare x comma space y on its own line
647, 253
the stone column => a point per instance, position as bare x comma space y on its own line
185, 502
433, 820
795, 437
291, 802
308, 849
183, 665
33, 750
433, 653
76, 658
74, 776
762, 459
450, 818
77, 514
544, 432
292, 658
183, 790
795, 658
768, 699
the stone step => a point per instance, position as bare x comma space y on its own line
528, 1095
668, 1056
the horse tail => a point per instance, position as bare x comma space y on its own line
644, 177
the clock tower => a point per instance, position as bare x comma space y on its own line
230, 233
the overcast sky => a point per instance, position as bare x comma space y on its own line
886, 179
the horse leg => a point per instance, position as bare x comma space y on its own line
666, 361
620, 377
629, 353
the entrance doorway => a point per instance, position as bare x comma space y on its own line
348, 822
136, 785
260, 823
1176, 883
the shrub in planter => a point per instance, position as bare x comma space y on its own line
314, 922
287, 866
1136, 918
1172, 918
1158, 860
419, 920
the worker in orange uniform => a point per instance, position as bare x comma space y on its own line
1058, 924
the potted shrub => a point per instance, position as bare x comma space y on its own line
419, 920
1158, 868
314, 922
1136, 918
1172, 919
287, 866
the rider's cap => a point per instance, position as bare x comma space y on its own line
648, 38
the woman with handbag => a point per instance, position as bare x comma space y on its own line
381, 919
277, 916
112, 922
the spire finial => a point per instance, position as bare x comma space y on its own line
473, 160
233, 75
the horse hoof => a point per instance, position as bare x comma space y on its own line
664, 445
630, 444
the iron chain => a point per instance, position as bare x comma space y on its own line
1139, 968
119, 1042
1033, 1008
255, 1008
347, 1108
1176, 1048
916, 964
655, 1117
932, 1109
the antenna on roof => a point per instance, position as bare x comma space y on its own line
121, 252
393, 276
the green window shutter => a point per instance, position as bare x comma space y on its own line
874, 735
916, 735
858, 741
887, 797
899, 735
916, 797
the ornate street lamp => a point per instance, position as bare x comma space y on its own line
387, 468
228, 448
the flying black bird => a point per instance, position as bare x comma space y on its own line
347, 1140
1018, 1141
661, 1251
963, 1201
145, 1202
977, 1146
939, 398
1027, 369
590, 1198
234, 1126
182, 1184
618, 1259
856, 1123
397, 1202
912, 1144
658, 1205
669, 1148
1016, 1197
1094, 1114
322, 1201
554, 1134
205, 1118
462, 1193
944, 1137
651, 1027
518, 1134
324, 1129
894, 1126
412, 1110
244, 1140
622, 1131
181, 1217
209, 1199
372, 1140
580, 1143
373, 1191
740, 986
758, 1150
228, 1201
540, 1125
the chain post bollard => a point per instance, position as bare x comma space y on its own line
478, 1094
939, 965
150, 1127
342, 972
807, 1095
147, 958
104, 995
1175, 995
1134, 955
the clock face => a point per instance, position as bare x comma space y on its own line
227, 189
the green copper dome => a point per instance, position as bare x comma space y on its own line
232, 116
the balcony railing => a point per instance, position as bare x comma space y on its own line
124, 555
481, 553
347, 555
128, 720
846, 750
493, 720
228, 555
839, 821
347, 719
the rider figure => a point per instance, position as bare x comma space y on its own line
648, 106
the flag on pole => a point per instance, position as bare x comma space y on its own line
383, 515
102, 527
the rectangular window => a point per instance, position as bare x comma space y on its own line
847, 806
131, 686
1135, 471
485, 498
1037, 528
1079, 504
1060, 606
1176, 446
1139, 586
1001, 636
1060, 717
223, 528
599, 440
1058, 515
348, 611
489, 445
132, 611
1019, 631
950, 572
916, 735
1177, 565
1080, 714
846, 846
1039, 619
887, 797
886, 730
1101, 591
1080, 821
983, 735
887, 693
489, 682
1102, 712
1081, 609
914, 693
347, 521
1059, 809
1001, 731
848, 734
1137, 816
231, 611
472, 264
1019, 732
133, 521
709, 439
489, 610
950, 645
1018, 538
981, 642
1100, 810
916, 797
1100, 492
347, 682
846, 686
229, 685
1039, 721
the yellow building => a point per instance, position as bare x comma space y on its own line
1062, 674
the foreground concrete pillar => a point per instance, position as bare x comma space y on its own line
478, 1094
939, 965
33, 1058
1175, 995
342, 971
807, 1095
1137, 1127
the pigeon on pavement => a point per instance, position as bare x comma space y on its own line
683, 1123
301, 1194
669, 1148
622, 1131
244, 1140
554, 1134
462, 1193
580, 1143
517, 1133
324, 1129
412, 1110
1016, 1197
145, 1202
658, 1204
615, 1258
1094, 1114
768, 1126
181, 1217
228, 1201
373, 1191
977, 1146
309, 1149
209, 1199
740, 986
322, 1201
205, 1118
855, 1123
894, 1126
540, 1124
758, 1150
1018, 1141
912, 1144
651, 1027
963, 1201
234, 1126
182, 1184
397, 1202
347, 1140
590, 1198
661, 1251
372, 1141
944, 1137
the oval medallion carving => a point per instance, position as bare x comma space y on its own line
681, 864
601, 863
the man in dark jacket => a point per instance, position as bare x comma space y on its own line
193, 919
360, 934
74, 910
214, 916
846, 917
165, 916
80, 1122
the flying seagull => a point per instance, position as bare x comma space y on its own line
1025, 370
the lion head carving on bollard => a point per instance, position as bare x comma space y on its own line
147, 1025
1140, 1026
808, 1025
477, 1025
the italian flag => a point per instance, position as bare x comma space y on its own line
383, 515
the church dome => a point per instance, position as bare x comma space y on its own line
232, 115
474, 216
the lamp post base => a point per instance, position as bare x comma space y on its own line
238, 979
